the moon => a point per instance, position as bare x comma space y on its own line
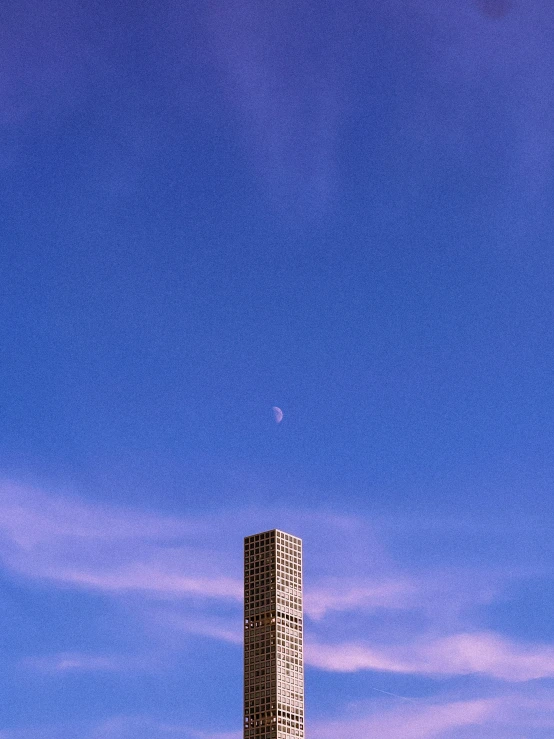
278, 414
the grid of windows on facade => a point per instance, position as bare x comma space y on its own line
273, 662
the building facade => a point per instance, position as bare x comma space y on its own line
273, 628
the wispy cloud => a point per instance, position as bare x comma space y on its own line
417, 622
108, 549
422, 722
286, 73
336, 595
66, 662
149, 579
118, 727
457, 654
508, 715
208, 626
287, 91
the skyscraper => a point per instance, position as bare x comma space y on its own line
273, 665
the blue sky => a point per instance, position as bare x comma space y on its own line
345, 211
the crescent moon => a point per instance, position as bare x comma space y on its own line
278, 413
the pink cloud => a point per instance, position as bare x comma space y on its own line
117, 727
508, 715
490, 654
337, 595
105, 548
209, 626
30, 516
120, 550
150, 579
79, 662
192, 562
459, 654
422, 722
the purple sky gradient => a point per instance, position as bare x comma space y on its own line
210, 210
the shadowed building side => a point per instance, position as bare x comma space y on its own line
273, 627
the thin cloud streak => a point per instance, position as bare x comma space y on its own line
365, 596
509, 715
210, 627
67, 662
127, 554
501, 716
420, 723
117, 727
458, 654
288, 101
108, 549
150, 580
116, 550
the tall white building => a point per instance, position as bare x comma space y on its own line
273, 664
